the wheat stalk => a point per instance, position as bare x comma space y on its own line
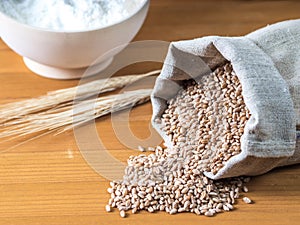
70, 116
64, 97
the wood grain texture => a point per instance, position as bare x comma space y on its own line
47, 181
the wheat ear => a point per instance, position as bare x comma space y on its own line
71, 116
64, 97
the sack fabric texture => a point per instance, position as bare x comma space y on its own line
267, 63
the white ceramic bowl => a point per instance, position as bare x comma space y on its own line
66, 55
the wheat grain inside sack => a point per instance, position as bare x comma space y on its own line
267, 63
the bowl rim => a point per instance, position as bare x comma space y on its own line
136, 11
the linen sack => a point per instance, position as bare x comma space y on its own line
267, 63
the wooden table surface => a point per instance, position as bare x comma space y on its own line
47, 181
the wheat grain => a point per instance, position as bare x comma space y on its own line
122, 214
245, 189
204, 127
247, 200
141, 148
209, 115
108, 208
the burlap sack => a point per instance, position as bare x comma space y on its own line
267, 63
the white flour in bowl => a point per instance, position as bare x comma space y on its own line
69, 15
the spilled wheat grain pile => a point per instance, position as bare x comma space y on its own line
205, 122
